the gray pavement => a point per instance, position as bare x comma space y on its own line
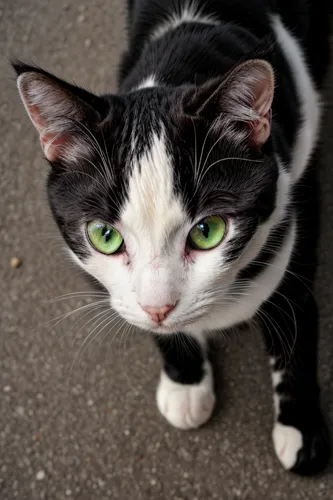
88, 428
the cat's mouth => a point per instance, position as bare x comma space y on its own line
175, 326
161, 328
170, 325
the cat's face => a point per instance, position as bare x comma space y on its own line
162, 195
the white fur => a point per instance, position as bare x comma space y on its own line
287, 443
148, 82
226, 312
277, 378
189, 13
309, 97
186, 406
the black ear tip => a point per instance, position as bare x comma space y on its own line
20, 67
17, 66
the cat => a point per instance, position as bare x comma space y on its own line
191, 194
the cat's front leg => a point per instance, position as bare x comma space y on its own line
185, 393
300, 435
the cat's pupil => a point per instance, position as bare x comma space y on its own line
106, 234
204, 228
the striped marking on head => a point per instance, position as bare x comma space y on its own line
153, 210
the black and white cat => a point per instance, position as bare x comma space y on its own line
191, 195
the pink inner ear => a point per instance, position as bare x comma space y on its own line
263, 98
263, 93
36, 117
50, 107
52, 145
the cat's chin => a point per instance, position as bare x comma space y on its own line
166, 329
160, 329
169, 329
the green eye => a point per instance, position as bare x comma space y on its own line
208, 233
105, 238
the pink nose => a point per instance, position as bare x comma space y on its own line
158, 314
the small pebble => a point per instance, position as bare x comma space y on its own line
81, 18
15, 262
40, 475
20, 411
126, 432
87, 43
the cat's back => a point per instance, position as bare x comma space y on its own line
209, 36
149, 15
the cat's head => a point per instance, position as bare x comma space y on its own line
162, 194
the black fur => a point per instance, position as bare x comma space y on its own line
183, 358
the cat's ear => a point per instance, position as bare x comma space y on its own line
242, 101
59, 111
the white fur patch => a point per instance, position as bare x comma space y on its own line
152, 216
287, 443
186, 406
188, 13
148, 82
277, 378
225, 314
309, 99
152, 209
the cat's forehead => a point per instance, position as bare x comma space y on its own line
152, 206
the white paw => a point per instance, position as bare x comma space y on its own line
287, 443
186, 406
